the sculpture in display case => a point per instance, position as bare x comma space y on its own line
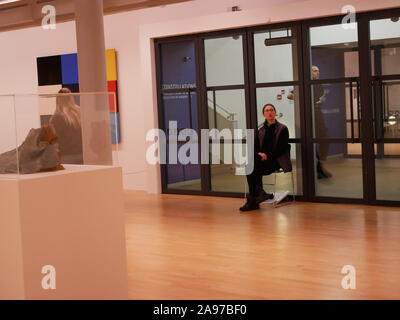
39, 152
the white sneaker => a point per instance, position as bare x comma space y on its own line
279, 196
269, 200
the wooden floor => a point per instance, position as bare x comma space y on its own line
194, 247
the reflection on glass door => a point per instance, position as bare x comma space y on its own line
336, 116
385, 65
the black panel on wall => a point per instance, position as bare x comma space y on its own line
49, 70
74, 87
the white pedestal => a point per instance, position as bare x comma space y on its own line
71, 219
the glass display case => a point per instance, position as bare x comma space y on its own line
52, 132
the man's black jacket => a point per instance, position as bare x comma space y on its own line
281, 146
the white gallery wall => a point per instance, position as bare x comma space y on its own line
131, 33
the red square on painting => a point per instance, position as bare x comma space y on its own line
279, 97
112, 87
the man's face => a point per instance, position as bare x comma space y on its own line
315, 73
269, 113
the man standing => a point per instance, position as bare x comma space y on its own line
272, 152
321, 131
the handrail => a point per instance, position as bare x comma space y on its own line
231, 116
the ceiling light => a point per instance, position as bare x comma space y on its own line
7, 1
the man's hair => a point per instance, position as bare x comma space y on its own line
268, 104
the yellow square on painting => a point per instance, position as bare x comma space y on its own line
111, 65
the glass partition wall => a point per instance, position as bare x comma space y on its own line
335, 86
385, 82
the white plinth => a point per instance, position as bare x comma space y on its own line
71, 219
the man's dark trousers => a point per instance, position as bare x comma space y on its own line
261, 168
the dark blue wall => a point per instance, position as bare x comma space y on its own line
178, 71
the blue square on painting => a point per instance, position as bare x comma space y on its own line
69, 68
114, 122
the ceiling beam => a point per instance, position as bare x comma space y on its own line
28, 13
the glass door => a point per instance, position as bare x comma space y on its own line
178, 111
275, 80
385, 68
226, 103
331, 77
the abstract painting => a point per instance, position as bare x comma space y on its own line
61, 71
